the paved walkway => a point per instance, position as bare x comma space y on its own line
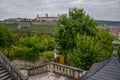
48, 76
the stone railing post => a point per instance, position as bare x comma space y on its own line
51, 67
76, 75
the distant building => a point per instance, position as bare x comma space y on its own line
46, 19
16, 20
12, 20
1, 22
24, 24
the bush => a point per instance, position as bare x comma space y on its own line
86, 52
48, 45
24, 53
31, 48
48, 54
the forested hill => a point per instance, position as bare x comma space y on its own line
108, 23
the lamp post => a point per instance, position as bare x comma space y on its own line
116, 44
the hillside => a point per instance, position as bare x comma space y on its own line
34, 28
109, 23
50, 29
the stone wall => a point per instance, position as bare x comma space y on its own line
22, 65
24, 24
43, 23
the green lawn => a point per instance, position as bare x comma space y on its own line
34, 28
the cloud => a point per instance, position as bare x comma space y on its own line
98, 9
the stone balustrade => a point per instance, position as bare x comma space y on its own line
66, 70
56, 68
37, 70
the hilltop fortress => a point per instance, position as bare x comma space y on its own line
27, 22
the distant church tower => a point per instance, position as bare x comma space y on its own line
46, 15
58, 15
37, 16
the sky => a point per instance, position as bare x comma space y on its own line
97, 9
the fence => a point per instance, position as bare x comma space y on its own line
64, 70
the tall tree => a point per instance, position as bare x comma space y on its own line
86, 52
71, 24
6, 38
105, 40
89, 50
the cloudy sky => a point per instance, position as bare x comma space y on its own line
98, 9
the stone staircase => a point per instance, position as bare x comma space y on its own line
49, 71
9, 72
4, 74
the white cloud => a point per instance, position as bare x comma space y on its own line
98, 9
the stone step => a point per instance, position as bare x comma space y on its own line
4, 74
2, 71
1, 68
7, 77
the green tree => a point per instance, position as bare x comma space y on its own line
105, 41
27, 48
76, 22
68, 26
31, 48
89, 50
6, 39
6, 36
86, 52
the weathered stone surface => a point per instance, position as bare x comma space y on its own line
49, 76
20, 64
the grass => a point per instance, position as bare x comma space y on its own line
34, 28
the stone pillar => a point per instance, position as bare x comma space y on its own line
68, 71
76, 75
51, 68
65, 71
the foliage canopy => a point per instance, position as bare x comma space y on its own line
86, 52
71, 24
6, 36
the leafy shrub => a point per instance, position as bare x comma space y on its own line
48, 54
31, 48
24, 53
86, 52
48, 45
